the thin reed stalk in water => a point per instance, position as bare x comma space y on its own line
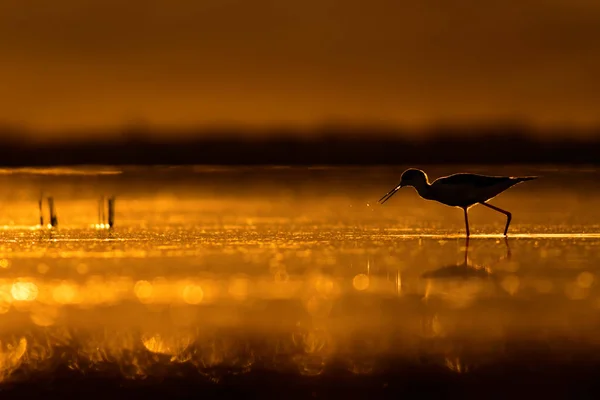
53, 217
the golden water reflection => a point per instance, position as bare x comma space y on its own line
307, 309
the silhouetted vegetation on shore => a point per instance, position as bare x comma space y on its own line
492, 145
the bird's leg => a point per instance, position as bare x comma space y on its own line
500, 259
466, 221
508, 253
508, 215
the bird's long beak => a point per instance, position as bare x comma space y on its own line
389, 194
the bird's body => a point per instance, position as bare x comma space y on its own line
459, 190
466, 190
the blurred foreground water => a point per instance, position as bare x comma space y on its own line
218, 274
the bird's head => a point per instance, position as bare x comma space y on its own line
411, 177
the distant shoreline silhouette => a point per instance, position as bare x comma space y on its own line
334, 146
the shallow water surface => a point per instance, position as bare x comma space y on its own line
224, 272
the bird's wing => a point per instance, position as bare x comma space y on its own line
473, 180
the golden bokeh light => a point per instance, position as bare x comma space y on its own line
361, 282
585, 279
66, 293
324, 285
43, 268
193, 294
24, 291
143, 290
82, 269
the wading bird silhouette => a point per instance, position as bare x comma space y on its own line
459, 190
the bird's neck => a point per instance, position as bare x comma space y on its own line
423, 188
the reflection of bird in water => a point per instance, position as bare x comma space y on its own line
466, 269
459, 190
461, 284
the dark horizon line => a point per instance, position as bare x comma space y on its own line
500, 148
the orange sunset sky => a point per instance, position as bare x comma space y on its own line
68, 64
